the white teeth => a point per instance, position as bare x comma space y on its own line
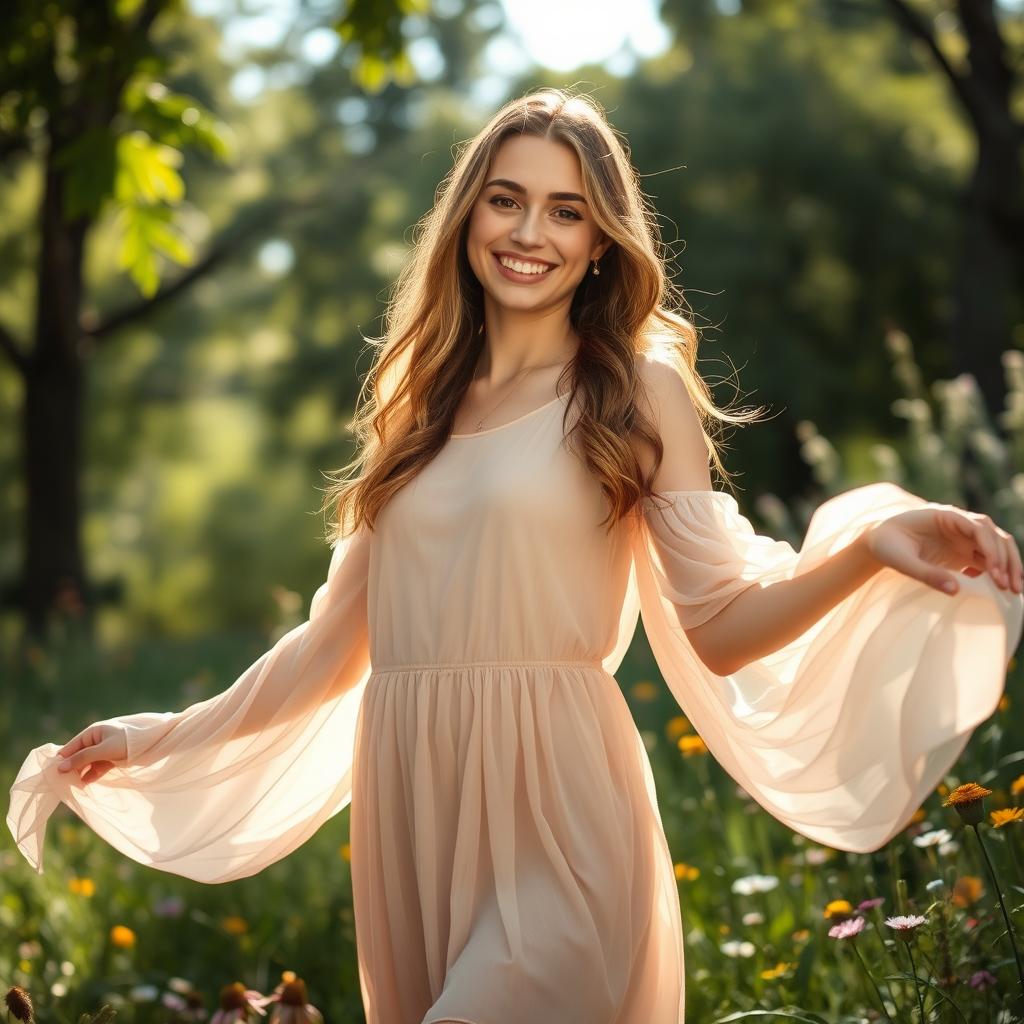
523, 268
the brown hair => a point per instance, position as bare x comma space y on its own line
431, 342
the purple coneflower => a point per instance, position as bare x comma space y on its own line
236, 1003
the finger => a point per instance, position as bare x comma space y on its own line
988, 543
1013, 560
85, 756
932, 575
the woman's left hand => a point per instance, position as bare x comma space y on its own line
926, 543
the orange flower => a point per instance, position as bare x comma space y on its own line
122, 936
777, 971
345, 850
235, 925
918, 815
82, 886
1017, 786
967, 800
680, 724
691, 745
839, 910
1006, 815
1004, 703
801, 934
967, 889
687, 872
645, 691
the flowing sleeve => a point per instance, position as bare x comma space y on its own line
842, 733
231, 784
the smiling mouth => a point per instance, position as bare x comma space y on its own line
521, 276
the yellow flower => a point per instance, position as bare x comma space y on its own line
1006, 815
346, 851
645, 691
1004, 703
967, 800
122, 936
967, 889
82, 886
801, 934
839, 909
919, 815
1017, 786
680, 724
691, 745
234, 925
777, 971
687, 872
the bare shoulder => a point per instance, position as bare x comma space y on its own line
667, 400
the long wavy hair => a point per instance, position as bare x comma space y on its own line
432, 342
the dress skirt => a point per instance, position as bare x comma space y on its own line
508, 855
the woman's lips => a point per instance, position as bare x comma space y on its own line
514, 275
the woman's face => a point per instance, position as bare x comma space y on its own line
531, 210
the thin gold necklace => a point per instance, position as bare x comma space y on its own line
480, 421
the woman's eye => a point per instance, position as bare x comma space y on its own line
573, 215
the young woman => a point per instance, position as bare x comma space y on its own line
535, 473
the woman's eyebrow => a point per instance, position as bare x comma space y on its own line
514, 186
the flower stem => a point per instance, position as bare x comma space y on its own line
917, 983
881, 1001
1002, 904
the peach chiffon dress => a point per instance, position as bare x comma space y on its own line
454, 681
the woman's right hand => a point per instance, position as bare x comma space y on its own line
95, 749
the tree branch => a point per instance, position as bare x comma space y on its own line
13, 350
256, 219
916, 26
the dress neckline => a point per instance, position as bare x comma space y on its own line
510, 423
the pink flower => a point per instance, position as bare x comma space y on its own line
875, 901
905, 925
982, 980
847, 929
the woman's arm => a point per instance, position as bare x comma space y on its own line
762, 619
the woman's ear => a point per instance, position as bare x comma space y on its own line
603, 246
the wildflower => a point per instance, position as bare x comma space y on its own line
982, 980
967, 800
948, 849
644, 691
736, 947
875, 901
691, 745
753, 917
839, 910
173, 1002
676, 726
235, 925
750, 884
345, 851
82, 886
777, 971
1006, 816
801, 935
172, 906
847, 929
235, 1003
967, 889
122, 936
918, 815
291, 1004
143, 993
1017, 786
19, 1003
1004, 703
816, 856
686, 871
935, 885
905, 925
933, 838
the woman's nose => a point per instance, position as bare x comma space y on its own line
527, 230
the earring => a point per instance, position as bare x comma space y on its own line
597, 269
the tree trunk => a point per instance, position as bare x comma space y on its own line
53, 423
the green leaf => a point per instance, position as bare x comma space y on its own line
146, 170
801, 1015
